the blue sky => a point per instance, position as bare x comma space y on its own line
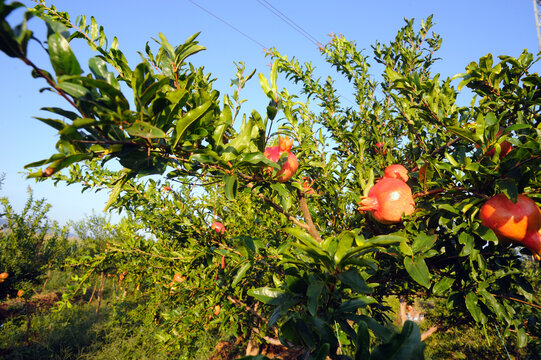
470, 29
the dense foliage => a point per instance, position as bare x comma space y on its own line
298, 264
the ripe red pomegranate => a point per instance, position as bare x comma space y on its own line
218, 226
307, 186
380, 148
290, 166
396, 171
514, 222
387, 200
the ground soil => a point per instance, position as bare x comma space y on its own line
16, 306
234, 350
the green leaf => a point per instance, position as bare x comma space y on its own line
468, 241
241, 273
443, 285
509, 188
75, 90
231, 186
418, 270
188, 119
268, 295
65, 113
522, 337
257, 159
362, 341
55, 123
98, 66
345, 242
322, 352
492, 303
379, 330
62, 58
145, 130
66, 161
423, 242
490, 119
376, 241
487, 234
265, 85
274, 77
312, 292
474, 309
405, 249
351, 306
406, 345
354, 281
451, 160
77, 124
464, 133
305, 238
120, 182
224, 122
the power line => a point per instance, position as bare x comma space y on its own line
290, 22
276, 12
228, 24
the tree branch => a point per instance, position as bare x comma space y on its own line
307, 217
429, 332
278, 208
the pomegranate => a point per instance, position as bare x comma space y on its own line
4, 275
396, 171
179, 278
307, 186
387, 200
274, 153
380, 148
505, 147
514, 222
218, 227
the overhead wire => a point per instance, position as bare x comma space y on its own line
230, 25
297, 28
277, 13
290, 22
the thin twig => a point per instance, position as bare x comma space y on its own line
518, 300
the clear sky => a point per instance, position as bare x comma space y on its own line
470, 29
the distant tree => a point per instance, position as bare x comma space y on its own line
30, 244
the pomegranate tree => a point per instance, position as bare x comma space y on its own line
291, 164
514, 222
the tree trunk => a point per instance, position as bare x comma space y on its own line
402, 313
100, 292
